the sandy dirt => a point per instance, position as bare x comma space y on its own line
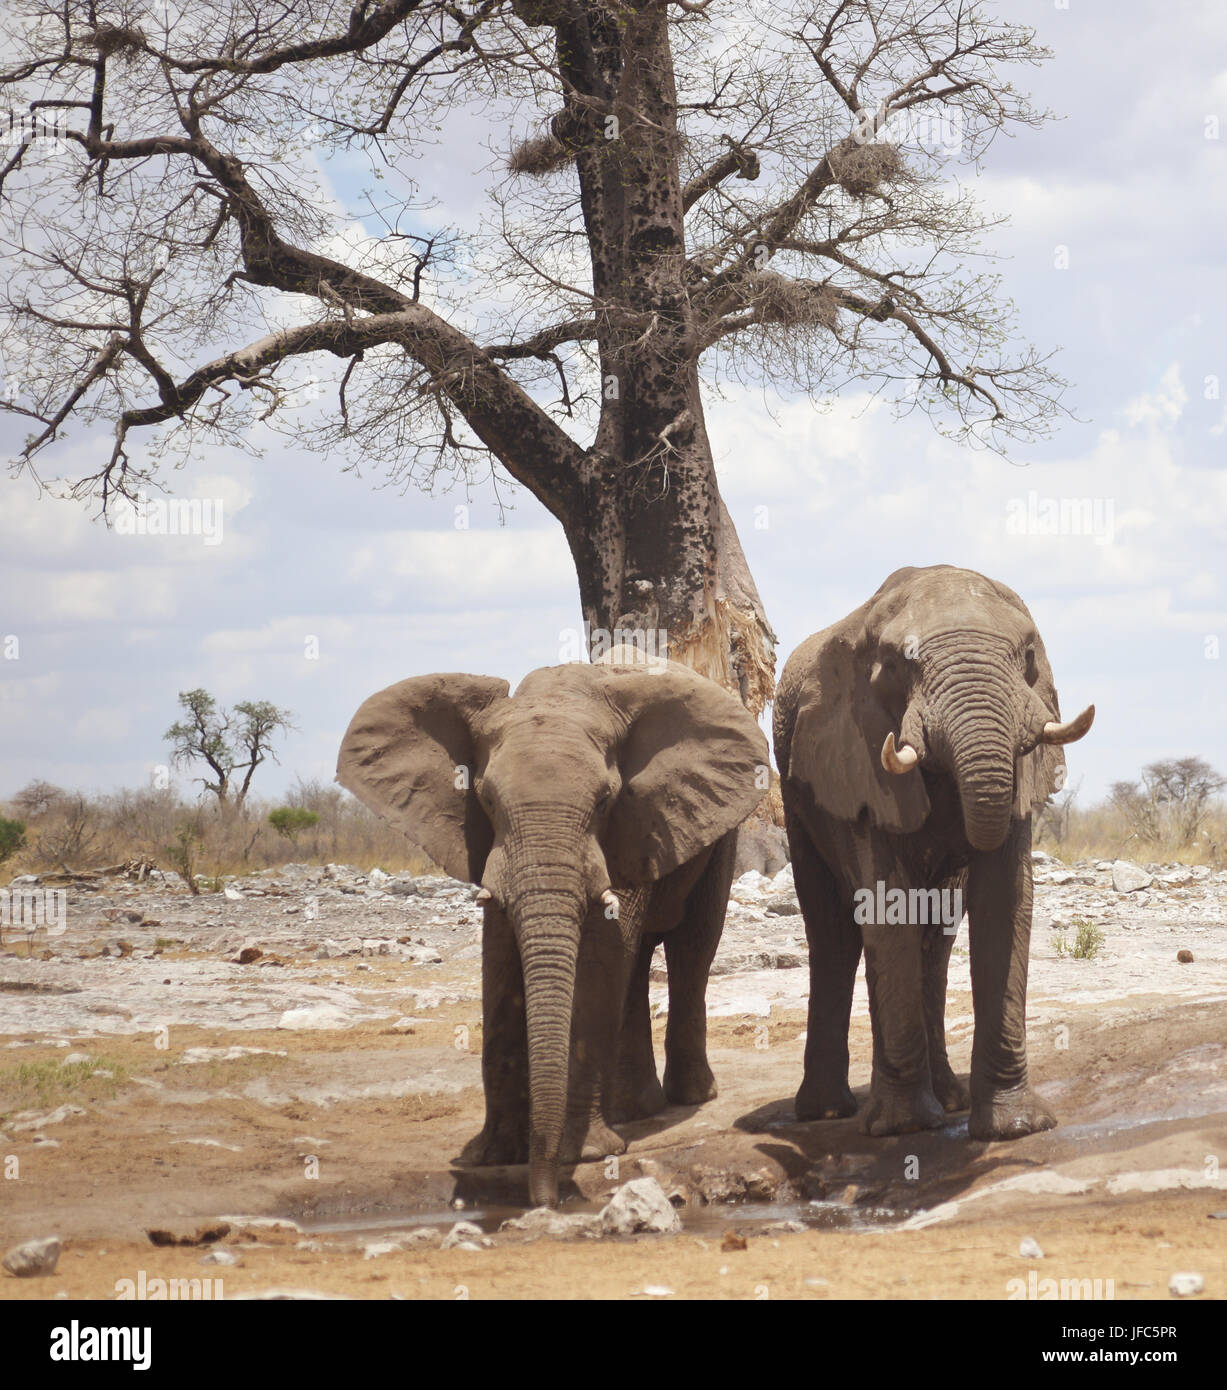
125, 1108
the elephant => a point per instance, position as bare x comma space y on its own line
597, 808
914, 740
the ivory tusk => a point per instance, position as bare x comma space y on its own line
484, 896
899, 760
610, 899
1070, 731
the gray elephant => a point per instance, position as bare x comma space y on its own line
596, 807
914, 740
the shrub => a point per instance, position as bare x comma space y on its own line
290, 820
12, 837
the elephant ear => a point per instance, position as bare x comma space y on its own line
408, 755
836, 749
694, 764
1042, 771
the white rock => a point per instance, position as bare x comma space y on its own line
379, 1247
377, 878
194, 1055
74, 1057
33, 1258
1182, 1285
641, 1205
232, 893
750, 886
315, 1016
542, 1221
1129, 878
1029, 1249
747, 1005
464, 1235
28, 1119
220, 1257
783, 881
421, 1235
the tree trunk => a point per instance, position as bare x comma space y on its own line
653, 543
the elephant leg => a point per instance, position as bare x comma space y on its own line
504, 1049
949, 1090
901, 1097
607, 951
834, 954
1003, 1106
639, 1092
690, 949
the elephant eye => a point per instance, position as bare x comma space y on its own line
605, 799
1032, 670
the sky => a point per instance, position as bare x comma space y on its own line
326, 585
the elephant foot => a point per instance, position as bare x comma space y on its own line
824, 1102
1009, 1115
689, 1083
951, 1094
499, 1142
901, 1112
639, 1099
598, 1141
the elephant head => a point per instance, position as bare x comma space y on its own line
943, 670
587, 780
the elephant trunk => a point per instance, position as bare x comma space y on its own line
547, 901
549, 946
977, 714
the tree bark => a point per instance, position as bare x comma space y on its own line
653, 543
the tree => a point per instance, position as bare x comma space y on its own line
228, 742
698, 188
1173, 801
38, 797
291, 821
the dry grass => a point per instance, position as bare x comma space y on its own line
75, 831
1102, 832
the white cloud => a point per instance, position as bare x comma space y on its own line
1163, 406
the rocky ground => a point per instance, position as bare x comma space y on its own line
297, 1059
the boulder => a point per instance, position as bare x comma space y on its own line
1130, 878
762, 847
641, 1205
555, 1225
33, 1258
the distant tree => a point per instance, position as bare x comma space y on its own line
230, 743
1052, 819
1172, 802
37, 798
290, 821
12, 837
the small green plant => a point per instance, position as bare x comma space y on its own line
12, 837
182, 855
1088, 939
290, 821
